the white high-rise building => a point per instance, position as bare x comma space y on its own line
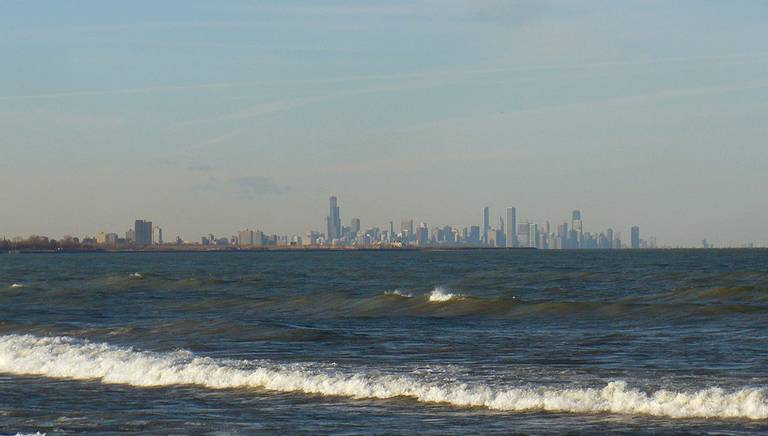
533, 230
157, 235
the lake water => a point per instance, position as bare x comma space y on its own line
385, 342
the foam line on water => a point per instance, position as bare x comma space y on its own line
398, 293
62, 357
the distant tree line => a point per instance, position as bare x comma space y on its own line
36, 242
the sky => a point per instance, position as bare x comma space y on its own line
210, 117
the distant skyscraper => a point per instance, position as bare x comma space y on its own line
245, 238
157, 235
576, 229
486, 224
562, 236
355, 226
474, 235
333, 221
523, 234
142, 232
511, 227
406, 229
259, 238
422, 234
635, 236
533, 230
576, 224
500, 237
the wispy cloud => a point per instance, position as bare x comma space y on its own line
200, 167
129, 91
254, 186
507, 11
258, 110
356, 8
120, 27
243, 187
286, 105
204, 188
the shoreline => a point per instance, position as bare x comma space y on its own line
193, 249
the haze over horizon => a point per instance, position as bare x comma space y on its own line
210, 119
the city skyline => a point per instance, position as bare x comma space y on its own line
411, 232
509, 232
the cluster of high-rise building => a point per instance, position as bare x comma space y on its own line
142, 234
507, 233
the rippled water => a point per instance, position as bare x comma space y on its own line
385, 342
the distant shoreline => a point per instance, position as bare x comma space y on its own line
188, 249
193, 249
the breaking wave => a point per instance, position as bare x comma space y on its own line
63, 357
441, 295
398, 293
17, 285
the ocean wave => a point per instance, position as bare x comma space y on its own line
17, 286
398, 293
756, 293
62, 357
737, 293
441, 295
136, 275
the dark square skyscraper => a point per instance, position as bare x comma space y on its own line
143, 232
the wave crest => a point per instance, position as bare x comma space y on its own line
63, 357
441, 295
398, 293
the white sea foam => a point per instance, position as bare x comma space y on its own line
441, 295
17, 285
62, 357
398, 293
136, 275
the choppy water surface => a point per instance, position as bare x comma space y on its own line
385, 342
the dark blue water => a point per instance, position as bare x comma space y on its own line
385, 342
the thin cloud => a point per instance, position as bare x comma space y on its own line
200, 168
254, 186
119, 27
130, 91
351, 9
512, 12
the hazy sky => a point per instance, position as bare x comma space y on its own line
216, 116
